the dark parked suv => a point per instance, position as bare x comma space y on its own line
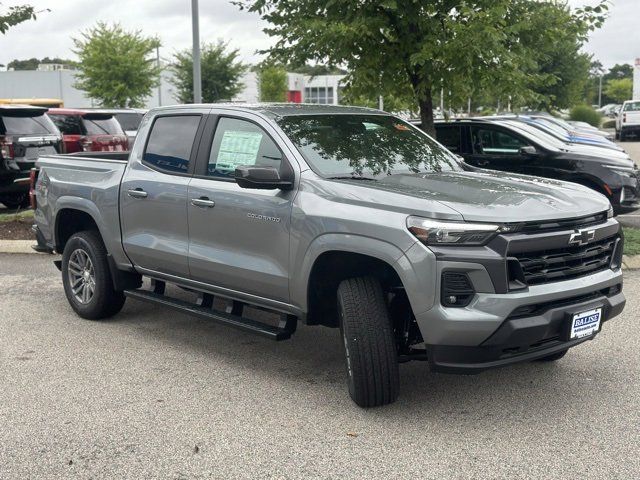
25, 134
514, 146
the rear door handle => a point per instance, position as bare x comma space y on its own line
203, 202
137, 193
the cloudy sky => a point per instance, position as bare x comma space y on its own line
50, 35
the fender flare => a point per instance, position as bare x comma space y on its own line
416, 267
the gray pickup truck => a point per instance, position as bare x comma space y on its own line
334, 216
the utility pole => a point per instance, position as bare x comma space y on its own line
160, 79
600, 93
197, 76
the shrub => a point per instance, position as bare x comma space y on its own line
584, 113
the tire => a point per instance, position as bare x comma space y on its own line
553, 357
91, 277
622, 136
369, 343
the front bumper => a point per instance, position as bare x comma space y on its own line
505, 322
525, 338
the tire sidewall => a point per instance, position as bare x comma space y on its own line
346, 348
89, 309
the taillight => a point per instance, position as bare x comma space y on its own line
624, 118
85, 144
33, 176
6, 148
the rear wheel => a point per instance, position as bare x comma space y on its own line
554, 356
87, 279
369, 344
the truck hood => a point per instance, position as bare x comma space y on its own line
486, 196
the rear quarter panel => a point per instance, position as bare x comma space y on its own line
89, 185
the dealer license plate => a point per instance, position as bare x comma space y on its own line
585, 324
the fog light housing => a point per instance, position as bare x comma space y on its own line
456, 289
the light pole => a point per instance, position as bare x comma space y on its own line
160, 70
600, 93
197, 76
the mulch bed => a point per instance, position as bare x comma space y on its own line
17, 230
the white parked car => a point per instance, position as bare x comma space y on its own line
628, 120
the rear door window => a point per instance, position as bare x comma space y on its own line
68, 124
26, 125
450, 137
490, 141
170, 143
239, 142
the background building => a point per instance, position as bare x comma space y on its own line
57, 81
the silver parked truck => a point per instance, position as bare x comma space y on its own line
336, 216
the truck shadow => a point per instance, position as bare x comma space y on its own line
310, 368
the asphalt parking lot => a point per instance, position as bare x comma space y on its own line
155, 394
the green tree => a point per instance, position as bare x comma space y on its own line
16, 15
619, 90
413, 48
117, 67
221, 73
273, 84
32, 63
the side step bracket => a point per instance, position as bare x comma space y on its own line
282, 332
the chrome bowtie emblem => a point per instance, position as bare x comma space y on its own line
582, 237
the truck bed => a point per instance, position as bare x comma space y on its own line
81, 182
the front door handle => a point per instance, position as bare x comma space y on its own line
137, 193
203, 202
483, 163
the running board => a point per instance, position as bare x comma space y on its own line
282, 332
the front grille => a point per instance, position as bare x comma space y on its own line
559, 225
565, 263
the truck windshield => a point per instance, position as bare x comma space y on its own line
365, 146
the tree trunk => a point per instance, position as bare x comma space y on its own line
425, 102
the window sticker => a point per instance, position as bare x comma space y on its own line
238, 148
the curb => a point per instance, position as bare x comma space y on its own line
17, 246
631, 262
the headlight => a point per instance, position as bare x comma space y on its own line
610, 213
435, 232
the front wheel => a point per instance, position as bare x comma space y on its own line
369, 344
87, 279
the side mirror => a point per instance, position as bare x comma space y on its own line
528, 150
264, 178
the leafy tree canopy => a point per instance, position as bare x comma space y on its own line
273, 83
619, 89
117, 67
32, 63
413, 48
15, 15
221, 73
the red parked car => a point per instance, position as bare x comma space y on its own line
89, 130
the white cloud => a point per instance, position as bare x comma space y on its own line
170, 20
617, 42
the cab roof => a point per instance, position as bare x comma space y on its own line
281, 109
